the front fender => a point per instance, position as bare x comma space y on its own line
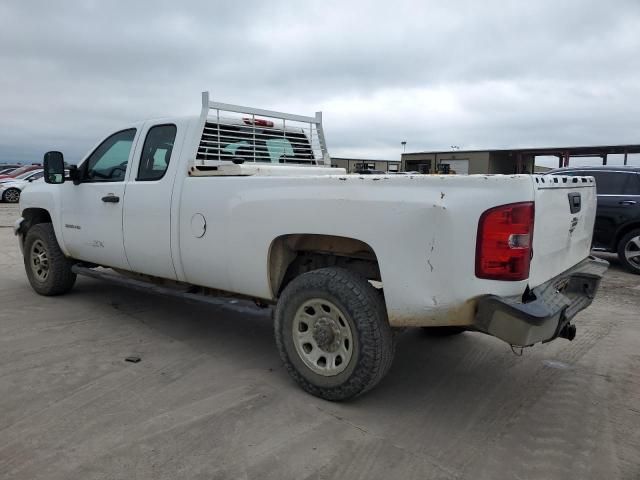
47, 197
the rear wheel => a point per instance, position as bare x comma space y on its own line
48, 270
11, 195
629, 251
332, 333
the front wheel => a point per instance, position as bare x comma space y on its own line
332, 333
48, 270
629, 251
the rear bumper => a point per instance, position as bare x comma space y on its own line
549, 311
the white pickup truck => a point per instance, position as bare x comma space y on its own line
243, 202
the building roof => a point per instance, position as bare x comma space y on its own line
576, 151
598, 167
353, 159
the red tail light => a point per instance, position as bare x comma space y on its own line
503, 245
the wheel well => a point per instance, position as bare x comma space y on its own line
33, 216
623, 231
295, 254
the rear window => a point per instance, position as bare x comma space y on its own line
266, 145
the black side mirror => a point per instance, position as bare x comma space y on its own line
54, 167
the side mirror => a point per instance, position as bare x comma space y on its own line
54, 167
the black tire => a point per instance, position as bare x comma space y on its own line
12, 195
442, 331
364, 311
59, 278
630, 243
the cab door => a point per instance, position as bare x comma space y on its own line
147, 209
92, 210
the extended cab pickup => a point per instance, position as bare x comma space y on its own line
243, 202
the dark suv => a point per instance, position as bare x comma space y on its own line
617, 226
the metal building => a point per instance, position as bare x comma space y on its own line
506, 161
352, 165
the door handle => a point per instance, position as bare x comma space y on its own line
111, 199
627, 202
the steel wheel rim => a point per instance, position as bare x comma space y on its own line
323, 337
12, 196
632, 251
39, 261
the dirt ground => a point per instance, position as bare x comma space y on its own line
210, 398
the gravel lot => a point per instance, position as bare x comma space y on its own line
210, 398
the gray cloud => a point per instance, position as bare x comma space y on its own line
474, 74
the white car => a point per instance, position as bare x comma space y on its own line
243, 202
11, 188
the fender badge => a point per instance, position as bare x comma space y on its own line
573, 225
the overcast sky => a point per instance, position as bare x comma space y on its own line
477, 74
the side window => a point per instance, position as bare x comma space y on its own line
156, 152
108, 162
610, 183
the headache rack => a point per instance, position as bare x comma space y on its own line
232, 134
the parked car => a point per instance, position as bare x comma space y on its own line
23, 176
10, 190
19, 171
177, 207
617, 226
7, 168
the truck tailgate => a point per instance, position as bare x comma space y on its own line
565, 210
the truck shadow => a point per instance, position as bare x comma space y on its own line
445, 372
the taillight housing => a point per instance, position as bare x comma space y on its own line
504, 242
